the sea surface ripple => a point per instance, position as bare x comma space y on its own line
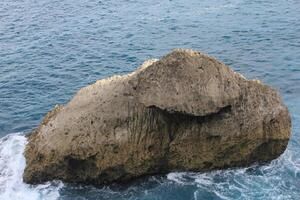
51, 48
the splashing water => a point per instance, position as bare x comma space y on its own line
12, 164
257, 182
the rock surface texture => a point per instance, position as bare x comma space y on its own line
184, 112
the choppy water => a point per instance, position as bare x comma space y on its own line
51, 48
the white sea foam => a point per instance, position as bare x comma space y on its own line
12, 164
256, 182
259, 182
177, 177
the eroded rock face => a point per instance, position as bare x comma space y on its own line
184, 112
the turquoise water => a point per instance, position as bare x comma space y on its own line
49, 49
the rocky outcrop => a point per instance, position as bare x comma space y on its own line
184, 112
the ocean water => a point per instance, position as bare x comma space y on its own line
51, 48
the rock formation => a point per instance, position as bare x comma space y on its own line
184, 112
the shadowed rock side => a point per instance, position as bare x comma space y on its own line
184, 112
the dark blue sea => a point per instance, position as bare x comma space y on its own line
51, 48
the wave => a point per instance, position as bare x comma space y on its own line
12, 164
276, 180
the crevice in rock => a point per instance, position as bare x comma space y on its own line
80, 167
184, 117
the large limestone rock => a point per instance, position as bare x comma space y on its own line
184, 112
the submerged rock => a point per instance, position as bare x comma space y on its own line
184, 112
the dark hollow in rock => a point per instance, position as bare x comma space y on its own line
184, 112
